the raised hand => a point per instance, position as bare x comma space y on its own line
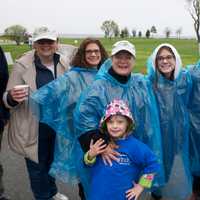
96, 148
110, 154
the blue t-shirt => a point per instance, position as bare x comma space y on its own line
111, 182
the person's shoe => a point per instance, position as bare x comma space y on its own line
59, 196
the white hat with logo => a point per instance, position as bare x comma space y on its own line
123, 45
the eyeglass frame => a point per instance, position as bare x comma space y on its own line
162, 58
91, 51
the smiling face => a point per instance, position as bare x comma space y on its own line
122, 63
117, 126
45, 48
166, 62
92, 54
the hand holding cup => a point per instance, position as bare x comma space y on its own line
20, 93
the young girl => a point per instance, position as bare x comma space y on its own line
136, 165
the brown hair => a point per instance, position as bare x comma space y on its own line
79, 58
156, 62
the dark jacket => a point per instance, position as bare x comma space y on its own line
4, 113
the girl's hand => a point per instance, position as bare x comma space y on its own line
110, 154
96, 148
134, 192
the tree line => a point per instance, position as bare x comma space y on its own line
111, 29
19, 33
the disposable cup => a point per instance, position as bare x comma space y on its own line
24, 88
20, 87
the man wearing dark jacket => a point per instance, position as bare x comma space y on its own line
4, 114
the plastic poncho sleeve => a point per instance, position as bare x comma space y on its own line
194, 110
48, 103
54, 105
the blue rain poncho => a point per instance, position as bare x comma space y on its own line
137, 93
54, 104
172, 98
194, 108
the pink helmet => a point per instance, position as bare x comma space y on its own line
117, 107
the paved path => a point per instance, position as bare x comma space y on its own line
16, 179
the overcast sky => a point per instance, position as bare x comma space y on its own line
86, 16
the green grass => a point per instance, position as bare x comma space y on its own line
15, 50
188, 49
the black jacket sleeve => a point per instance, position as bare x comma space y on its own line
86, 138
3, 73
4, 113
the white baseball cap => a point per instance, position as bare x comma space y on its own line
123, 45
45, 35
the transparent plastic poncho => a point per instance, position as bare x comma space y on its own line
54, 104
194, 108
172, 98
137, 92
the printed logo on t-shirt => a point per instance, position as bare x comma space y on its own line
124, 159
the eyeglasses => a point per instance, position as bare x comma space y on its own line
167, 58
45, 41
90, 52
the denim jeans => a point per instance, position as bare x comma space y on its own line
42, 184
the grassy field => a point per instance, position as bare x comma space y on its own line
187, 48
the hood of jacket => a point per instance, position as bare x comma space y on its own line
151, 66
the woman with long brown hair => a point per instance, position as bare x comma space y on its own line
57, 100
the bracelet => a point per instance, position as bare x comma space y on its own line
146, 180
88, 161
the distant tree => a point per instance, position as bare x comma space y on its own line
167, 32
124, 33
109, 27
147, 33
16, 33
178, 32
116, 30
140, 34
153, 30
40, 30
27, 37
134, 32
194, 10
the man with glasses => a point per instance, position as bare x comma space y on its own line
35, 141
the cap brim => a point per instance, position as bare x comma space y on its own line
124, 49
47, 37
